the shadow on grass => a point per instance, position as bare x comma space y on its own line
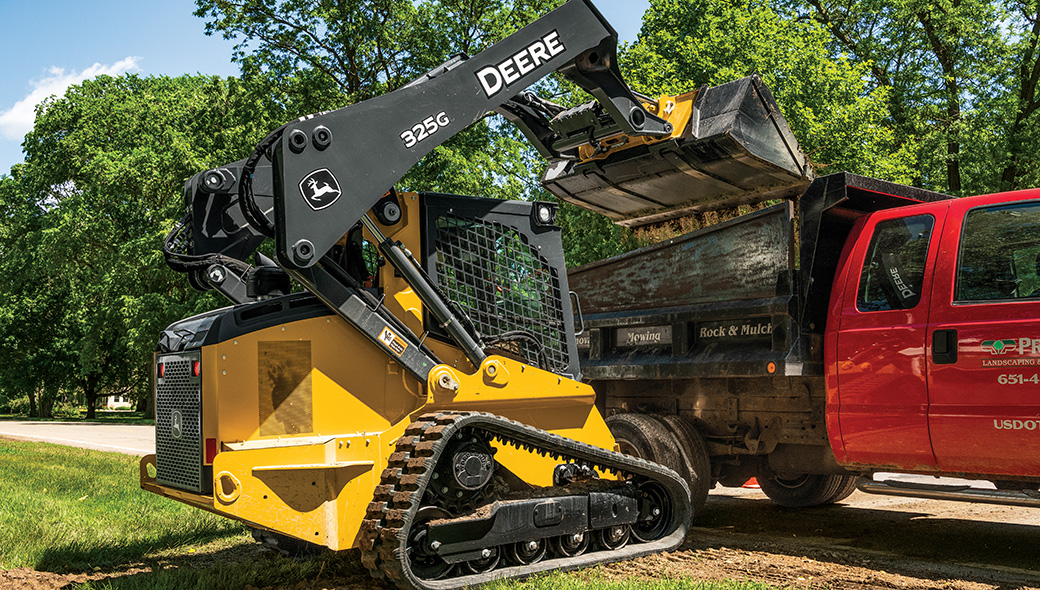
240, 566
79, 557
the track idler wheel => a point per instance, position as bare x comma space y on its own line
422, 555
658, 513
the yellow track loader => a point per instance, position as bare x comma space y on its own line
421, 398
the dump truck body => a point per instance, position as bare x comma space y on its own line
761, 333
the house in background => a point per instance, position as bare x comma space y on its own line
118, 402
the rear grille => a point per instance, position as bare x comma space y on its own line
498, 278
178, 424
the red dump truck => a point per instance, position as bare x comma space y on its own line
857, 327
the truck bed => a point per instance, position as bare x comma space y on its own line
744, 298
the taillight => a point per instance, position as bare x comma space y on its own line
160, 370
196, 368
211, 450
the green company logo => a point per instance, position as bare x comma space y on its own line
999, 346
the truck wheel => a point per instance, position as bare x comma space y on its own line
803, 490
668, 441
698, 463
845, 490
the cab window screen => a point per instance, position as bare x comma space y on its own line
893, 272
1000, 254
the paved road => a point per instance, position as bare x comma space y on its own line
129, 439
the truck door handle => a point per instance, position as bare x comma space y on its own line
944, 347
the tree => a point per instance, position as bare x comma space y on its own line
101, 185
35, 339
962, 81
339, 53
839, 120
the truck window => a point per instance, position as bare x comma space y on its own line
893, 271
1000, 254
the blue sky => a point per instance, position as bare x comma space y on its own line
48, 44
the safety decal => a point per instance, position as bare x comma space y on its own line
392, 341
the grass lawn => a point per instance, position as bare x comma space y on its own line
68, 509
76, 511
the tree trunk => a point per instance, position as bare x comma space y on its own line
91, 393
953, 162
46, 406
1028, 79
945, 55
145, 406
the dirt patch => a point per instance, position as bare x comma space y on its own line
865, 542
778, 569
29, 579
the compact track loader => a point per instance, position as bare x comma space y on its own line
421, 400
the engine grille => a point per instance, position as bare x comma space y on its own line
498, 278
178, 424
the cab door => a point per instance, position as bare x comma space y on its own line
984, 341
882, 392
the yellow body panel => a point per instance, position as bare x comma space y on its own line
306, 414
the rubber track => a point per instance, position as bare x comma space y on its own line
397, 499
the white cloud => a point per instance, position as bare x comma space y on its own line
18, 120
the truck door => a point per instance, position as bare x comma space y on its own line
984, 342
882, 389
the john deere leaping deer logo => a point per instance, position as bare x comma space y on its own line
176, 424
320, 189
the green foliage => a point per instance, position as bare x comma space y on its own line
588, 236
84, 220
363, 47
15, 405
838, 120
961, 78
340, 53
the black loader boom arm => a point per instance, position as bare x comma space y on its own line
364, 149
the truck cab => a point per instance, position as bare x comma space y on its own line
932, 347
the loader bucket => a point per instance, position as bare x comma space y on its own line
736, 148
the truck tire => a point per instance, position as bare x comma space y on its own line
845, 490
804, 490
670, 441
